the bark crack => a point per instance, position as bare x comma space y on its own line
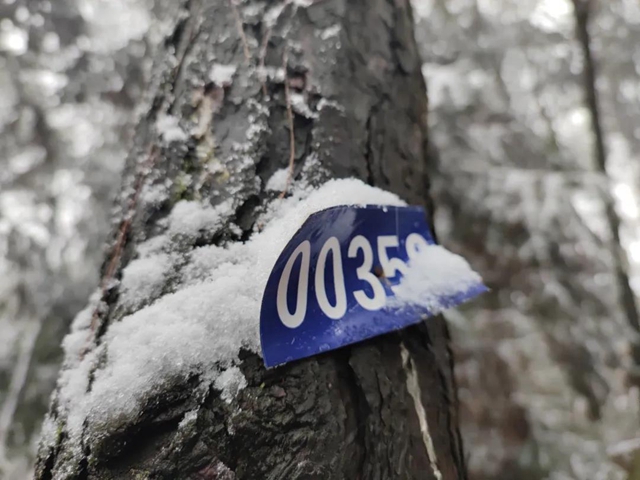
368, 154
413, 387
455, 437
360, 410
292, 133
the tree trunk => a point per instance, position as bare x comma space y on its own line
352, 87
583, 14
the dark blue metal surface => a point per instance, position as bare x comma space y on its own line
303, 315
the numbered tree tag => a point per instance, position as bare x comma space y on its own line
354, 272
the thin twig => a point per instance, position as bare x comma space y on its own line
292, 135
114, 261
240, 27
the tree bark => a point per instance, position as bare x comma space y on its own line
382, 409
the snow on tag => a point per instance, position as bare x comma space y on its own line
354, 272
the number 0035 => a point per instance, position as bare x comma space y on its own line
377, 297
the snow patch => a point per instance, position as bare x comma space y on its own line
190, 217
199, 329
144, 278
274, 74
204, 260
324, 103
222, 75
155, 194
272, 14
332, 31
300, 106
153, 246
189, 418
169, 129
230, 382
433, 273
278, 181
48, 431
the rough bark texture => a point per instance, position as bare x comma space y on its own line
348, 414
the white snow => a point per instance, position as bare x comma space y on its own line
199, 329
278, 181
155, 195
332, 31
189, 418
275, 74
222, 75
74, 378
169, 129
300, 106
432, 273
230, 382
272, 14
303, 3
144, 278
204, 260
153, 246
190, 217
325, 103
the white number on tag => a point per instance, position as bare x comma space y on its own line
293, 320
339, 309
391, 266
364, 273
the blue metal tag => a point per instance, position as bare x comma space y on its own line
334, 282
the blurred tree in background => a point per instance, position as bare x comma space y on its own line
546, 365
526, 177
71, 74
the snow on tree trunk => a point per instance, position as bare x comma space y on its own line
160, 380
